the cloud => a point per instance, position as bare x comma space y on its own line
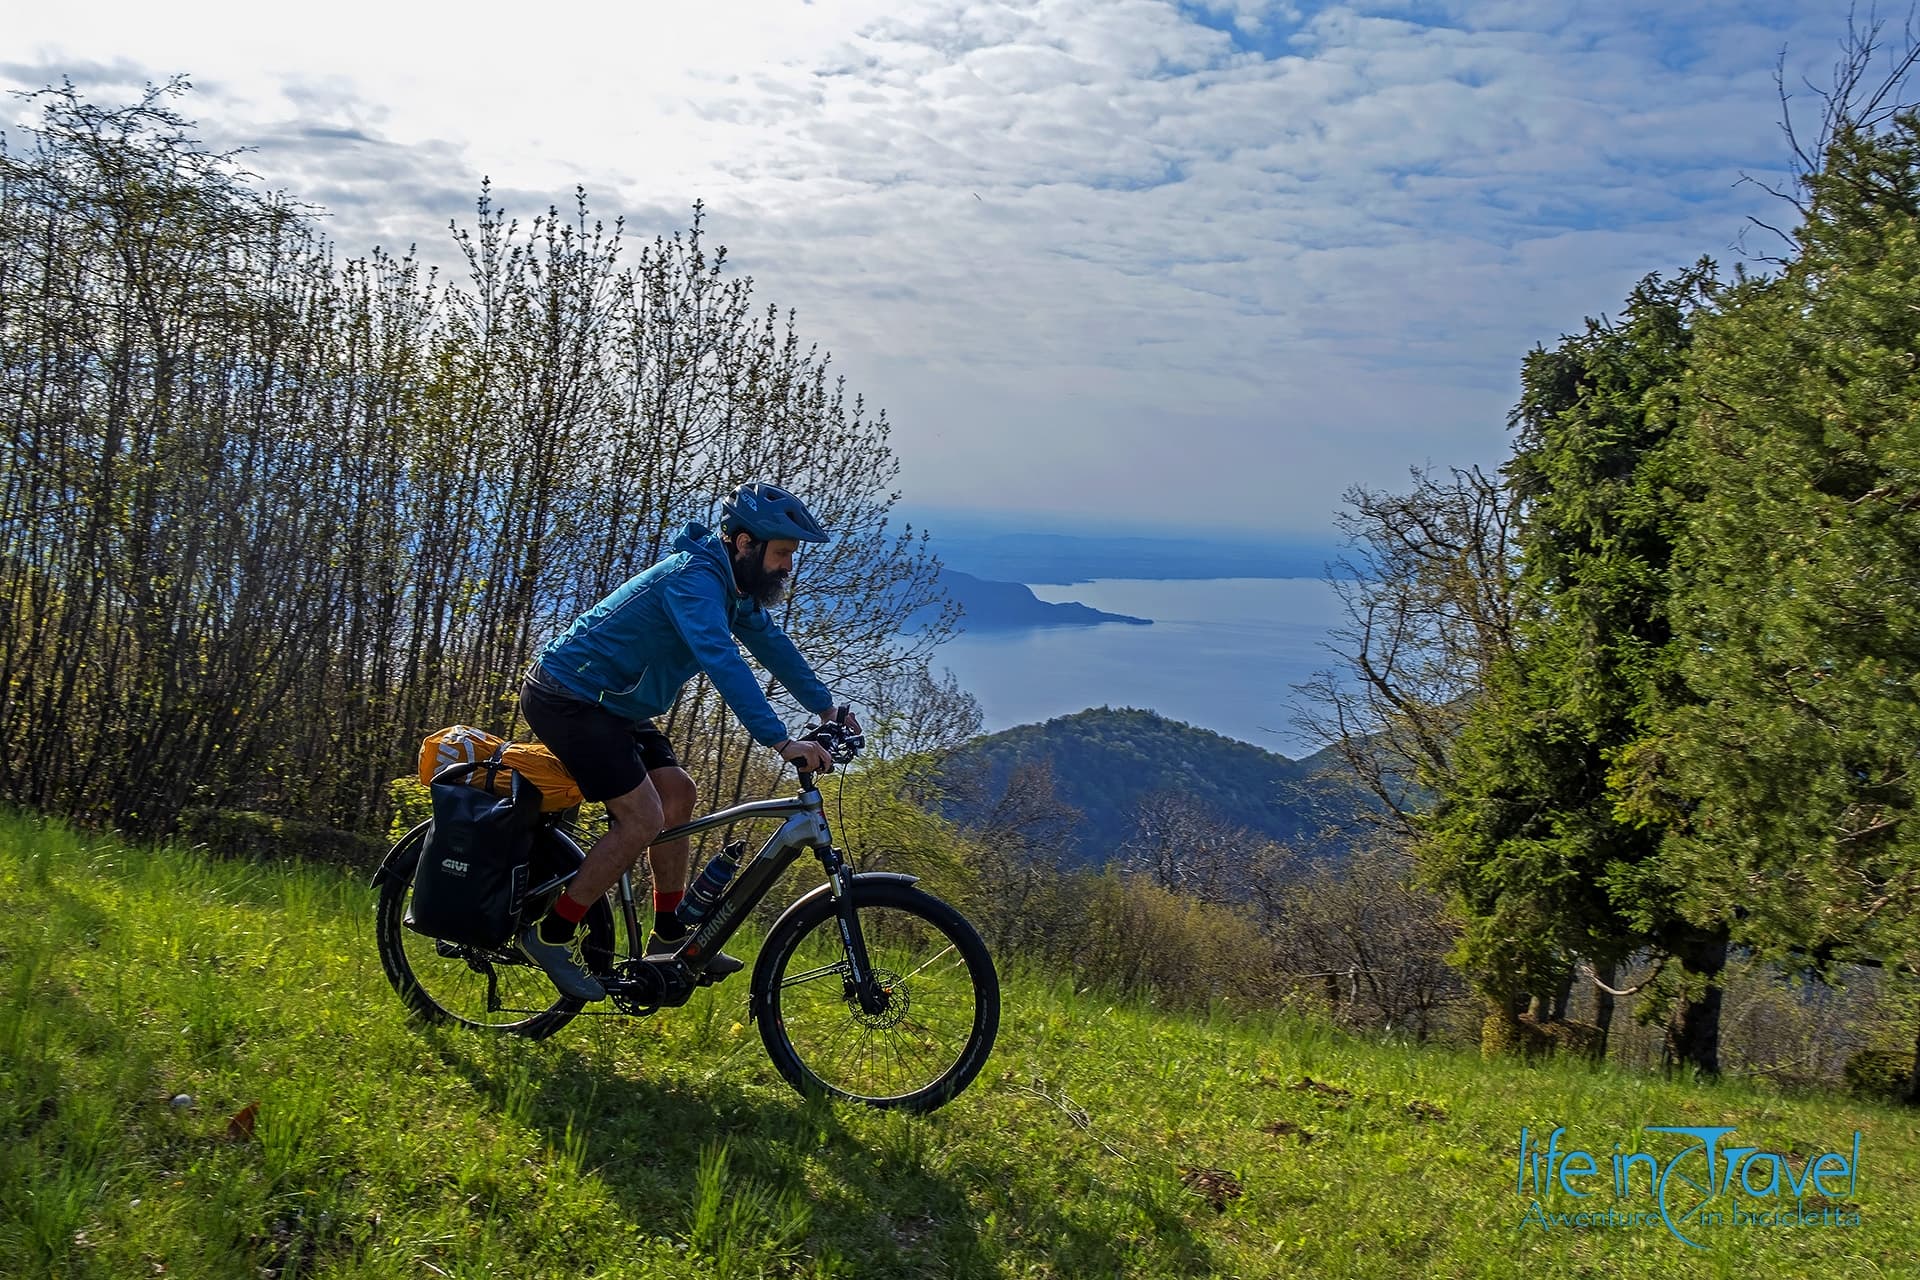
1222, 254
46, 73
1370, 227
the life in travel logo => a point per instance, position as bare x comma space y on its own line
1710, 1184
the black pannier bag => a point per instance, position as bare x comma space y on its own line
473, 867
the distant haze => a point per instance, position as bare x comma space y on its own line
1012, 548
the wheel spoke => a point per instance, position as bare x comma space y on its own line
814, 975
930, 959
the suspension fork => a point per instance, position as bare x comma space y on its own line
859, 981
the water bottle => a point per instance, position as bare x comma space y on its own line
707, 886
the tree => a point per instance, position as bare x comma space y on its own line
1430, 594
169, 341
1524, 832
1787, 792
266, 519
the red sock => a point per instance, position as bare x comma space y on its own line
569, 910
666, 903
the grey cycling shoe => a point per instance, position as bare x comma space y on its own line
716, 966
561, 961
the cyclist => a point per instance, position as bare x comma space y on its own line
592, 693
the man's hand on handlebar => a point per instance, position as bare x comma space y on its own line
838, 737
840, 733
807, 755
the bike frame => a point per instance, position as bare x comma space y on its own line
803, 826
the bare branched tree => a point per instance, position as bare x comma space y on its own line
1181, 846
1870, 85
1429, 593
1363, 934
1024, 833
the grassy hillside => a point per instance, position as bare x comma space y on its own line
1102, 1140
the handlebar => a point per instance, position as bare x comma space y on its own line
841, 746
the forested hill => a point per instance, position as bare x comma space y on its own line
1104, 761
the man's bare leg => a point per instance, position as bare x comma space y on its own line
671, 861
637, 819
552, 941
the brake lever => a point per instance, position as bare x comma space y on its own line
841, 745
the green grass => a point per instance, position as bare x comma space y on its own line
1103, 1139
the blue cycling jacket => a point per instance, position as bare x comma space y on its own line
633, 651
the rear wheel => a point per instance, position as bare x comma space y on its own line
928, 1024
487, 988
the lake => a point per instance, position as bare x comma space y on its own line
1222, 654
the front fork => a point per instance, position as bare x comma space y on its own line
859, 979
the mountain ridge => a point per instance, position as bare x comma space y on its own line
993, 605
1106, 760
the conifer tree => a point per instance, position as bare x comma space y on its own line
1788, 792
1524, 832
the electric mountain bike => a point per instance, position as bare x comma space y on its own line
866, 988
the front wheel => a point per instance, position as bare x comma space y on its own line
925, 1030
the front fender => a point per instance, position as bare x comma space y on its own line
859, 878
804, 902
398, 853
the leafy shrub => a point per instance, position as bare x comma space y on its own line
411, 803
1880, 1073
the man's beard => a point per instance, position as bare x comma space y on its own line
750, 572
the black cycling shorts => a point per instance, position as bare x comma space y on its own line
607, 754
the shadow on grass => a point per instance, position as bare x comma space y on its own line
879, 1195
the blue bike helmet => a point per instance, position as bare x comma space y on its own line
767, 512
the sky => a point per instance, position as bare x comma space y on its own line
1132, 264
